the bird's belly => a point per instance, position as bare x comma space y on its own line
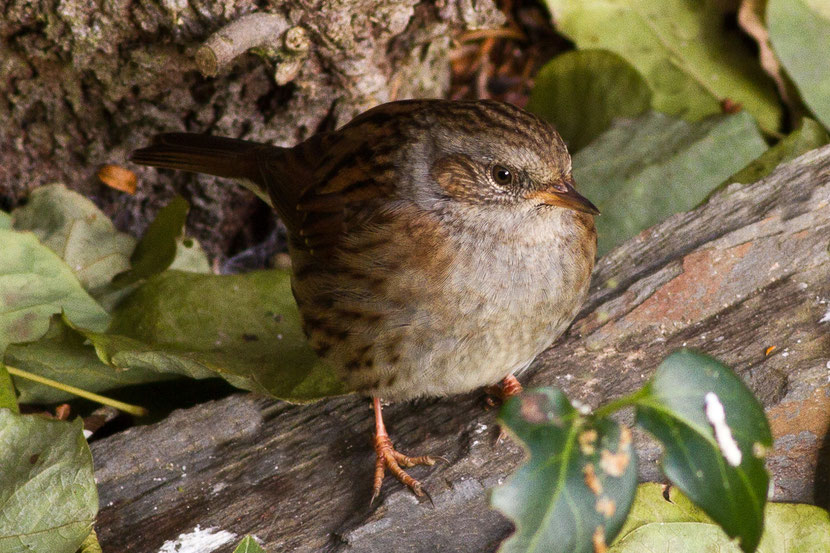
469, 333
466, 319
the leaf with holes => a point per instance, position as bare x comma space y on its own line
715, 436
574, 492
48, 499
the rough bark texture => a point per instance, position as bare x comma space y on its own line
83, 83
748, 270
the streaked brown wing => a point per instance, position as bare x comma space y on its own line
353, 176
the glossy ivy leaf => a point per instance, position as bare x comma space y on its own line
75, 229
48, 499
575, 490
673, 523
718, 464
689, 58
156, 250
248, 545
65, 356
800, 34
8, 397
643, 170
243, 328
581, 92
808, 136
34, 284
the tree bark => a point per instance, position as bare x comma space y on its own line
84, 83
748, 270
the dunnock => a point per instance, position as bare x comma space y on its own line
436, 246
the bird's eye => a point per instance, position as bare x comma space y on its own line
502, 175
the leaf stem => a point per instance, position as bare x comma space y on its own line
120, 405
625, 401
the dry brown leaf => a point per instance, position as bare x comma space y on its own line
751, 20
119, 178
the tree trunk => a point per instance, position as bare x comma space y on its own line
748, 270
84, 83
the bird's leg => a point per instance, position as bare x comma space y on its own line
393, 460
504, 390
507, 388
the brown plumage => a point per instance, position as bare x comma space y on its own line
436, 246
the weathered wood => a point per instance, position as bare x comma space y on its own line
748, 270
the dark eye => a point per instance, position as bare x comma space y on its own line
502, 175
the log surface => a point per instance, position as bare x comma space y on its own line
748, 270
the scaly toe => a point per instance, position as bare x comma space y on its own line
389, 458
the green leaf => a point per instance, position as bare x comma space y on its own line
808, 136
677, 525
642, 171
5, 220
48, 499
248, 545
800, 34
34, 284
681, 47
581, 92
62, 354
75, 229
156, 250
243, 328
90, 544
190, 257
8, 397
576, 488
722, 474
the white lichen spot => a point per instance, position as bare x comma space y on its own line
198, 541
716, 416
480, 428
581, 408
826, 318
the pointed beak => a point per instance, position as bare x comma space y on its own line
563, 194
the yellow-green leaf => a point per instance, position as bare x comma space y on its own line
243, 328
691, 61
48, 499
35, 284
75, 229
581, 92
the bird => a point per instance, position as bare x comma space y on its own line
436, 246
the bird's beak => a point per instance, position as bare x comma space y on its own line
563, 194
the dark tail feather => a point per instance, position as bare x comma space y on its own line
201, 153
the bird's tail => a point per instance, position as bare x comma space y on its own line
213, 155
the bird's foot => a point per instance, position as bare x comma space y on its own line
389, 458
504, 390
